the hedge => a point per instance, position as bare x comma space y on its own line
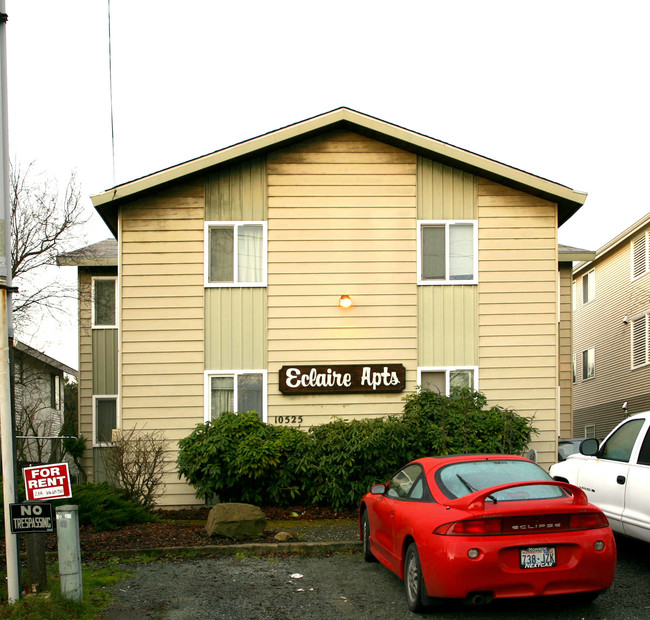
237, 457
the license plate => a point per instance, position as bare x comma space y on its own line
537, 557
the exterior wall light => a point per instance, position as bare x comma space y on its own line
345, 301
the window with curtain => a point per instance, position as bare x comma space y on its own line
235, 253
589, 363
237, 392
447, 252
103, 302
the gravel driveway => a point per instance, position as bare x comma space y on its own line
340, 586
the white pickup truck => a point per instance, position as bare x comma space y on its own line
616, 475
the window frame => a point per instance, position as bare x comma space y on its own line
94, 325
646, 327
584, 367
590, 289
95, 399
644, 238
447, 224
56, 400
208, 374
447, 370
208, 225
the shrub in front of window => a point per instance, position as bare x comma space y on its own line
239, 458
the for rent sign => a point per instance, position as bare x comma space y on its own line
47, 482
342, 378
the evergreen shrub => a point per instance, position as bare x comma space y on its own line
237, 457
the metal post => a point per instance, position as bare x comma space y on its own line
67, 535
6, 417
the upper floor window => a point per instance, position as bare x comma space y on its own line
103, 302
639, 345
589, 363
235, 254
589, 286
443, 380
639, 254
447, 252
238, 391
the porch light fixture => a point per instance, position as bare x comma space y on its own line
345, 301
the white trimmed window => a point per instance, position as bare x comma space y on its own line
639, 344
104, 308
237, 391
588, 363
442, 380
104, 419
640, 263
447, 252
235, 254
589, 286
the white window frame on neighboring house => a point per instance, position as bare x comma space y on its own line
585, 367
96, 399
236, 281
234, 374
639, 256
94, 323
639, 341
447, 226
589, 287
447, 370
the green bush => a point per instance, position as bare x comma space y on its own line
104, 507
239, 458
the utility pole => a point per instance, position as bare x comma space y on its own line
6, 329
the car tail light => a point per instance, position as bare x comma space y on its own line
526, 524
588, 521
472, 527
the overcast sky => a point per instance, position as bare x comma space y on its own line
556, 88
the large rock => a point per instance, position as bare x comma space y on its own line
236, 521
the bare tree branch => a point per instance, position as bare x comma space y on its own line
44, 223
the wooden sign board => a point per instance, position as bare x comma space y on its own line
342, 379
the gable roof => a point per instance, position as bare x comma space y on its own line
569, 200
43, 358
101, 254
620, 239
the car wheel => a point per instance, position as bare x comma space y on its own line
365, 532
413, 582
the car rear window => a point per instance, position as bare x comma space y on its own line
460, 479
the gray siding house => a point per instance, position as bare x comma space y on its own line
611, 327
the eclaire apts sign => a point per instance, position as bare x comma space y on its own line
342, 379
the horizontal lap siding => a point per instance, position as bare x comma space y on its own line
161, 320
517, 307
599, 400
342, 220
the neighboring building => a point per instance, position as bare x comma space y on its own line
38, 403
611, 331
232, 266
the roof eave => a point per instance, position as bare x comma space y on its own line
568, 199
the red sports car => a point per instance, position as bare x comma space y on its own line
480, 527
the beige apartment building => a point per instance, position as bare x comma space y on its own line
611, 351
227, 284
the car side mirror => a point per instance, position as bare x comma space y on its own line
589, 447
378, 489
